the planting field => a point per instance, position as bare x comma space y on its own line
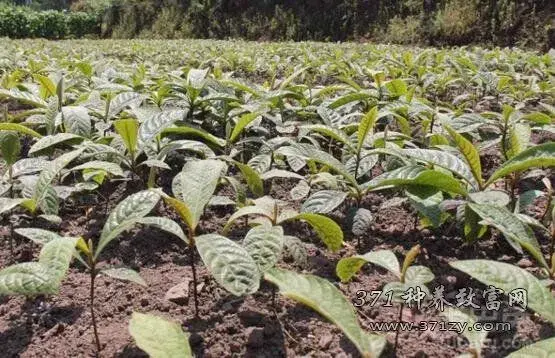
218, 199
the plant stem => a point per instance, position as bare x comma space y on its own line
397, 332
93, 316
193, 268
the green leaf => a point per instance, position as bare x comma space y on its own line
158, 337
418, 176
323, 297
56, 256
156, 123
182, 209
19, 128
244, 211
243, 121
108, 167
327, 229
254, 181
309, 152
128, 130
125, 216
362, 222
491, 197
219, 142
366, 125
335, 134
519, 139
10, 148
416, 275
196, 184
396, 87
294, 247
323, 201
7, 204
469, 152
38, 236
348, 267
476, 338
53, 140
23, 97
445, 160
349, 98
544, 348
230, 264
542, 155
264, 243
124, 274
29, 279
165, 224
508, 278
77, 120
47, 86
512, 228
122, 101
538, 117
50, 172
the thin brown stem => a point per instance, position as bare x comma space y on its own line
93, 315
397, 332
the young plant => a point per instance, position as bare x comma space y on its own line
127, 214
411, 278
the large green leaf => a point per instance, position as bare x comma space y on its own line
123, 100
333, 133
7, 204
125, 215
327, 229
323, 297
230, 264
108, 167
444, 160
254, 181
366, 126
542, 155
50, 172
23, 97
77, 120
156, 123
124, 274
243, 121
264, 243
219, 142
508, 278
244, 211
158, 337
128, 129
29, 279
10, 148
53, 140
56, 256
348, 267
38, 236
196, 184
164, 224
469, 152
476, 338
419, 176
541, 349
323, 201
19, 128
309, 152
42, 277
511, 227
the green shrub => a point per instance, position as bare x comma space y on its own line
403, 31
22, 22
456, 22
